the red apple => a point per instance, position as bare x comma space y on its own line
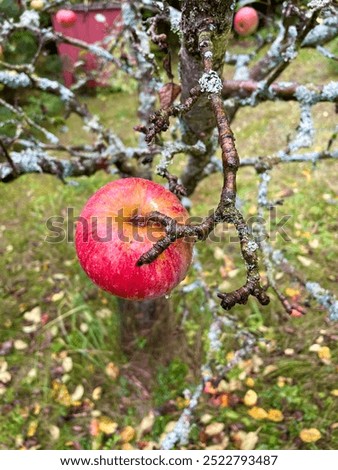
66, 18
246, 21
109, 241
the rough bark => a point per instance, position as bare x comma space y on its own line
198, 17
151, 323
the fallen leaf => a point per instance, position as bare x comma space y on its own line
289, 352
258, 413
104, 313
32, 428
206, 418
127, 434
314, 347
57, 296
219, 253
146, 424
214, 429
20, 345
304, 261
97, 392
209, 388
250, 398
250, 382
54, 432
314, 243
290, 292
170, 426
61, 394
221, 446
67, 364
34, 316
94, 427
127, 446
334, 392
29, 329
107, 425
324, 353
245, 441
112, 371
310, 435
275, 415
78, 393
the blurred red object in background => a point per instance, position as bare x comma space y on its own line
94, 23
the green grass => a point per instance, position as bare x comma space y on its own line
37, 273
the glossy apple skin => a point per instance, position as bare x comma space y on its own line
109, 246
246, 21
66, 17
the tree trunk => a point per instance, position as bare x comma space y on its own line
151, 326
199, 123
148, 325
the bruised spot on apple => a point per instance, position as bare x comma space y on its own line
246, 21
109, 243
66, 18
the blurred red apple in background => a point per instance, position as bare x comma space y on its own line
109, 241
246, 21
66, 17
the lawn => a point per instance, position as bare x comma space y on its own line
65, 382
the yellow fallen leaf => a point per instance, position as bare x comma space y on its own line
57, 296
32, 427
112, 370
182, 402
230, 356
97, 392
214, 429
61, 394
245, 441
78, 393
289, 352
20, 345
33, 316
258, 413
310, 435
127, 446
307, 174
275, 415
290, 292
250, 382
250, 398
107, 425
146, 424
127, 434
304, 261
206, 418
334, 392
324, 353
54, 432
67, 364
